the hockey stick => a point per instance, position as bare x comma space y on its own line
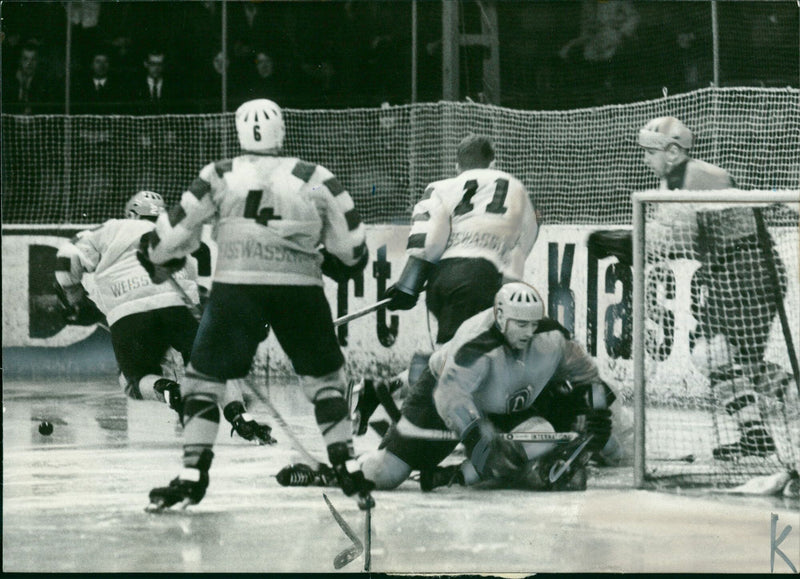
276, 416
351, 553
185, 298
765, 241
367, 538
362, 312
410, 430
580, 456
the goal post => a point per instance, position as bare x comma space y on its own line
708, 267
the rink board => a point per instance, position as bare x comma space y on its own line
74, 502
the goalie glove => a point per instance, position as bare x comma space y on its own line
405, 292
617, 243
335, 268
491, 454
77, 308
158, 272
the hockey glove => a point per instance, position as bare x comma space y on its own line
492, 455
158, 272
598, 424
335, 268
617, 243
77, 308
405, 292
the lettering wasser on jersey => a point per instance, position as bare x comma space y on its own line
123, 285
481, 213
271, 215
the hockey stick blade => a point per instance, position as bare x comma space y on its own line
556, 474
362, 312
351, 553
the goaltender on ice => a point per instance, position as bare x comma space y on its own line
281, 223
741, 300
507, 369
146, 319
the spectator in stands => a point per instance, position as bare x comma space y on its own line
156, 94
27, 91
208, 88
262, 80
99, 92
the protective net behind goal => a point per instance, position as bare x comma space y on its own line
581, 166
720, 312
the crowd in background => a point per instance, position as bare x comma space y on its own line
166, 57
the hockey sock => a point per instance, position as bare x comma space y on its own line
201, 423
331, 415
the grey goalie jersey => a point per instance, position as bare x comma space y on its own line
478, 373
271, 214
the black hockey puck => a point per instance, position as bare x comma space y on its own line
45, 428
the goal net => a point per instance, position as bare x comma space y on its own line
716, 318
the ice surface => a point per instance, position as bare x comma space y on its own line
74, 501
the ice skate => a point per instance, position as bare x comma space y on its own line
302, 475
440, 476
754, 442
249, 429
186, 489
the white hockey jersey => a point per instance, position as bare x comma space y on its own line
479, 374
271, 214
481, 213
122, 285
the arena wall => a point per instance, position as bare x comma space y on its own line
591, 298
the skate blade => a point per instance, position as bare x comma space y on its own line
161, 507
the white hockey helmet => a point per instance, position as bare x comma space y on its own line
259, 124
517, 301
144, 204
662, 132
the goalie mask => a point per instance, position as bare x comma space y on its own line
662, 132
259, 124
522, 303
144, 205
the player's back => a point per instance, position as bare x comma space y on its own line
121, 285
269, 219
489, 212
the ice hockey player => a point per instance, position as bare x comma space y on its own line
469, 234
741, 300
281, 224
492, 378
145, 318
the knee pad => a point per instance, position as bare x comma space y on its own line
201, 384
200, 406
331, 385
383, 468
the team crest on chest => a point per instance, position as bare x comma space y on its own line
518, 400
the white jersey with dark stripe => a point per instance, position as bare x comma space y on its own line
122, 286
481, 213
271, 214
479, 374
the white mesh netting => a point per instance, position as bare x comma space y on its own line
581, 165
722, 312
